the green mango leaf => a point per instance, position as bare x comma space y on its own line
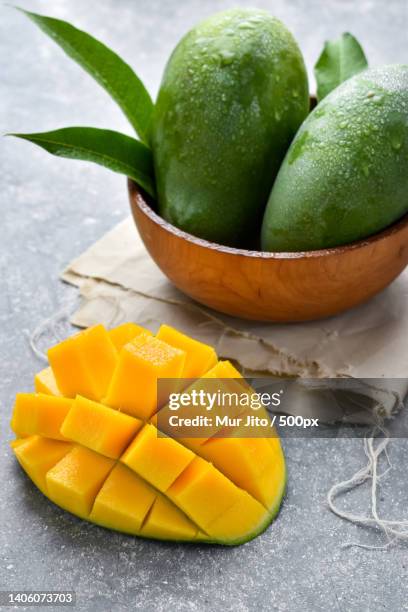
106, 67
339, 60
112, 150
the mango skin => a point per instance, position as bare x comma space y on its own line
345, 175
233, 94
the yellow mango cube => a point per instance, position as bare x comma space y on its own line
245, 461
44, 382
222, 378
272, 482
203, 492
245, 515
159, 460
134, 383
166, 521
99, 428
123, 501
74, 482
199, 356
122, 334
38, 455
223, 369
84, 363
38, 413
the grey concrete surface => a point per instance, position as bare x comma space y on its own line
51, 210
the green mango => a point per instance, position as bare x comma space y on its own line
345, 175
233, 95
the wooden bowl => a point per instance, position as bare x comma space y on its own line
263, 286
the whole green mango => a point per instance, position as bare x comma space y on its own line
233, 94
345, 175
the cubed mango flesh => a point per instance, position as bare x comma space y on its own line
37, 455
159, 460
223, 378
203, 492
133, 388
199, 356
74, 482
165, 521
38, 413
108, 463
241, 517
122, 334
248, 462
99, 428
83, 364
223, 369
44, 382
123, 501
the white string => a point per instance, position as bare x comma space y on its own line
394, 530
49, 327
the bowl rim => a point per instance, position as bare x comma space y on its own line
137, 196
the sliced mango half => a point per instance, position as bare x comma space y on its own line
89, 440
